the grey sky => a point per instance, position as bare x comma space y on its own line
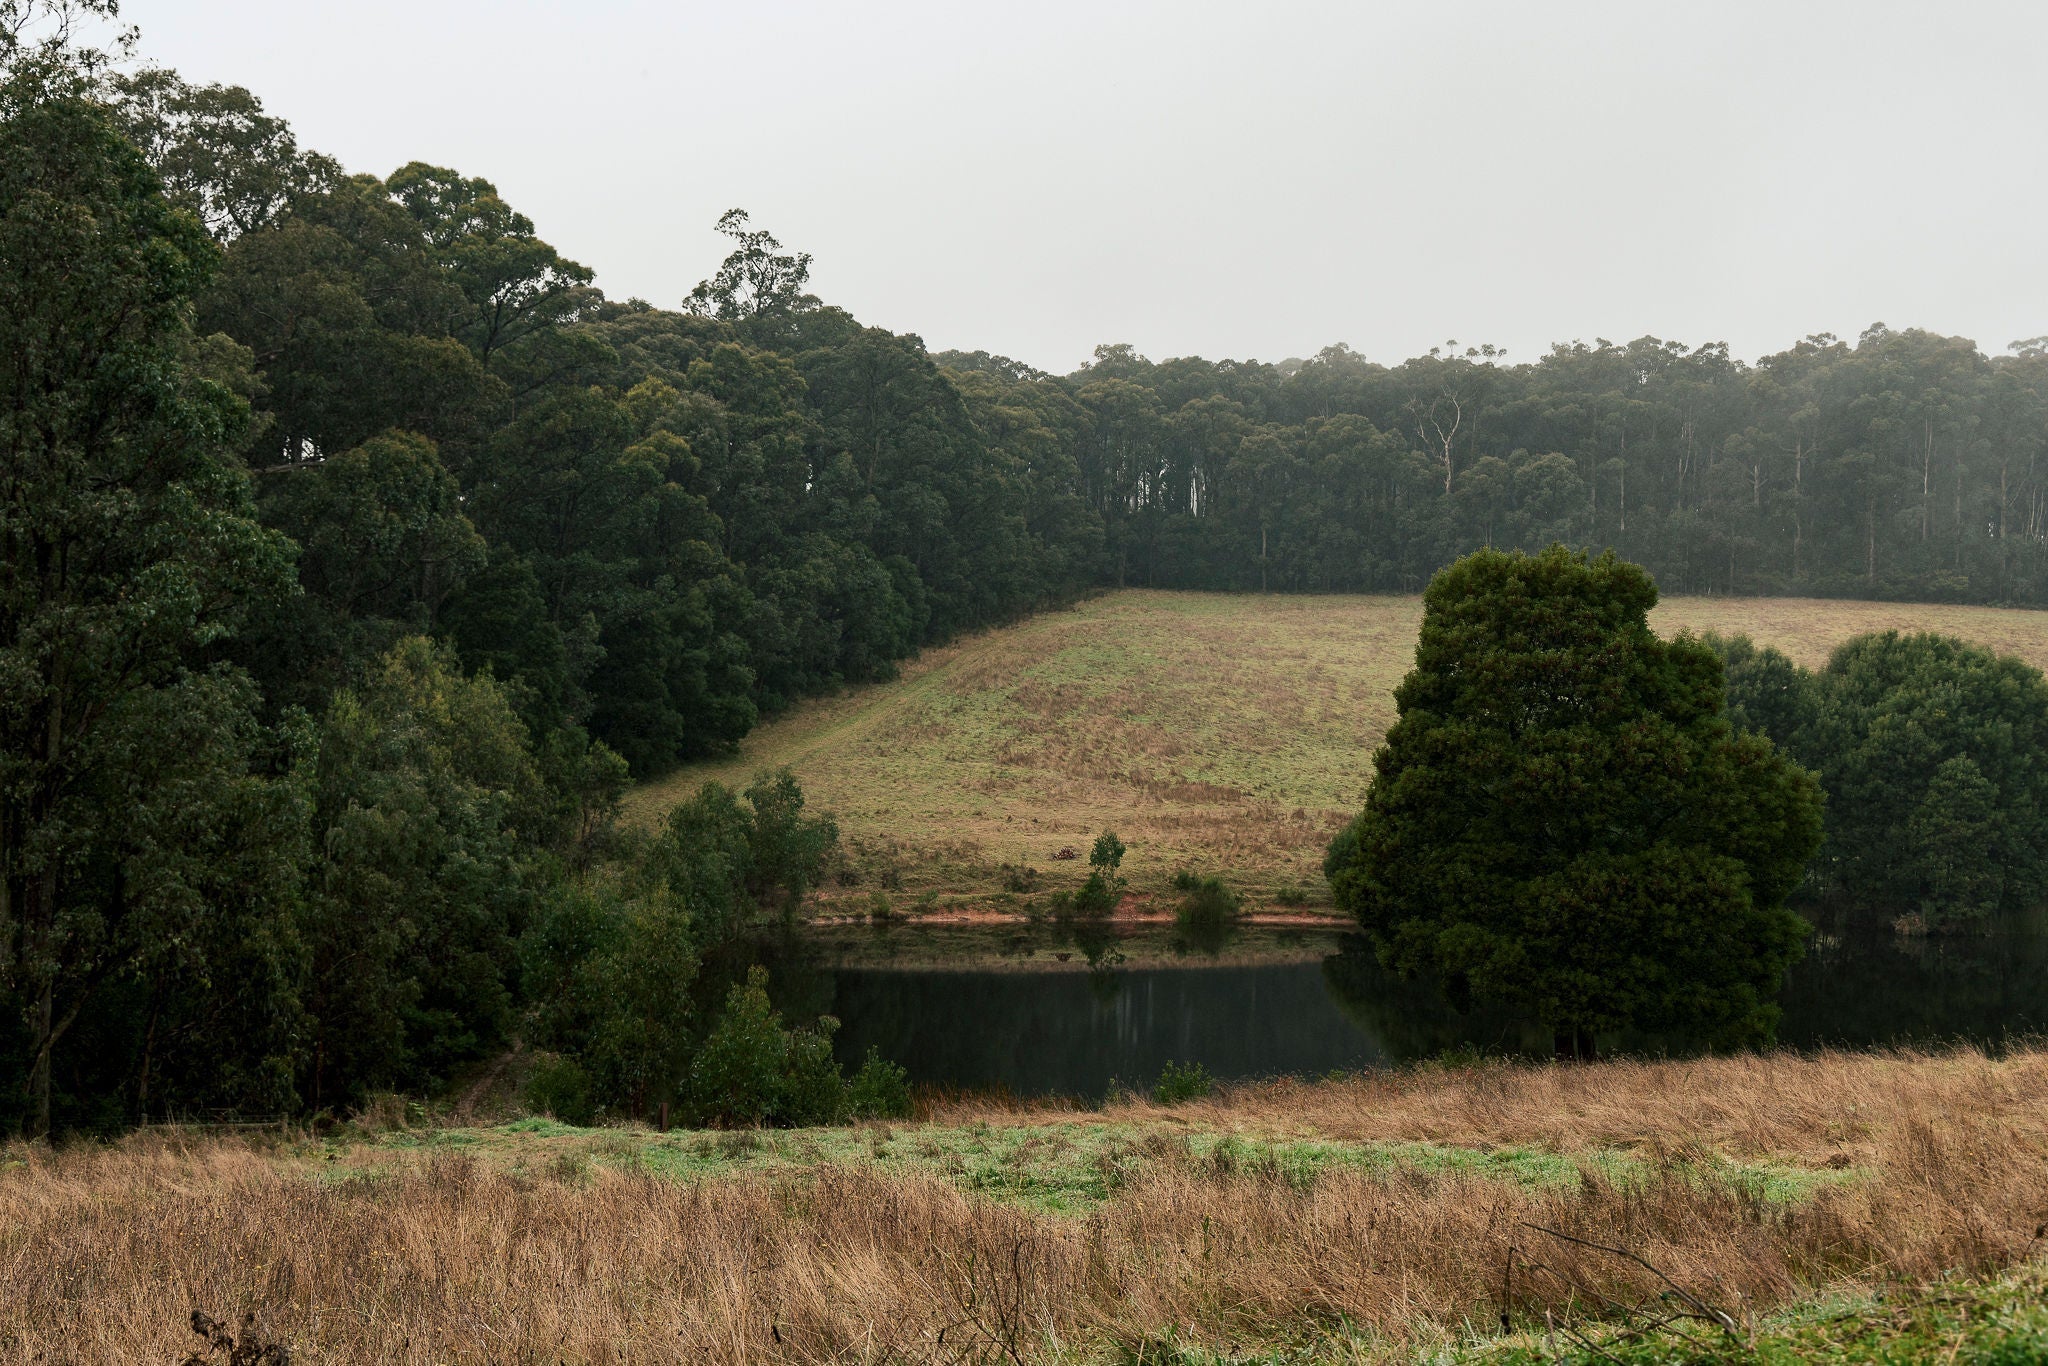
1223, 179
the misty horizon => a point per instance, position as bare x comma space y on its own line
1201, 181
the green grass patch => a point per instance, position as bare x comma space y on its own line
1060, 1167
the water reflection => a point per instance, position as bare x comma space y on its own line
1881, 989
1037, 1012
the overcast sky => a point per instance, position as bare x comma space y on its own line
1242, 179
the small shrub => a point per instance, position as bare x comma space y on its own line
753, 1071
1186, 880
1206, 917
811, 1089
1108, 853
1229, 1156
383, 1111
1019, 879
1290, 894
739, 1069
788, 850
1104, 888
559, 1087
1098, 895
879, 1090
1182, 1082
1459, 1057
880, 910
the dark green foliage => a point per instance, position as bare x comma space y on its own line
383, 543
1563, 819
738, 852
1108, 853
425, 796
1934, 754
1099, 895
1180, 1082
879, 1090
1104, 889
786, 849
607, 966
811, 1090
608, 960
736, 1077
1207, 916
559, 1086
752, 1070
131, 799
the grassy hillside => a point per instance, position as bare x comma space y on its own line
1229, 733
1869, 1208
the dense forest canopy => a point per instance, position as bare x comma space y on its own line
662, 523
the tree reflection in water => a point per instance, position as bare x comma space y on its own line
1003, 1009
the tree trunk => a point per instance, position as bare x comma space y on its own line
1573, 1044
1798, 493
1927, 482
40, 948
39, 1076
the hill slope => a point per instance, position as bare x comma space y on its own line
1229, 733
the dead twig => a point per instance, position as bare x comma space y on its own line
1700, 1307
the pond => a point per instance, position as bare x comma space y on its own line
1032, 1012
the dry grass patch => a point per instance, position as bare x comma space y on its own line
432, 1256
1228, 733
1820, 1110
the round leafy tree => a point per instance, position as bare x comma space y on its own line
1563, 820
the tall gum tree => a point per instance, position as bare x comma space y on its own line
127, 540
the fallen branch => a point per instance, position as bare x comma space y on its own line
1701, 1308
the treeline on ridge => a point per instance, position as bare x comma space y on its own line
663, 523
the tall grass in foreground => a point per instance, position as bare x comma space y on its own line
438, 1258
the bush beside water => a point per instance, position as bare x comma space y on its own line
1208, 914
753, 1070
1182, 1082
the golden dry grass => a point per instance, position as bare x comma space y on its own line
1810, 1110
427, 1257
1229, 733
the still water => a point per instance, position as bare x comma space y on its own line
1036, 1014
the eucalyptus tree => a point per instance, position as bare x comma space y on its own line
128, 545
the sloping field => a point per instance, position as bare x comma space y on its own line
1228, 733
